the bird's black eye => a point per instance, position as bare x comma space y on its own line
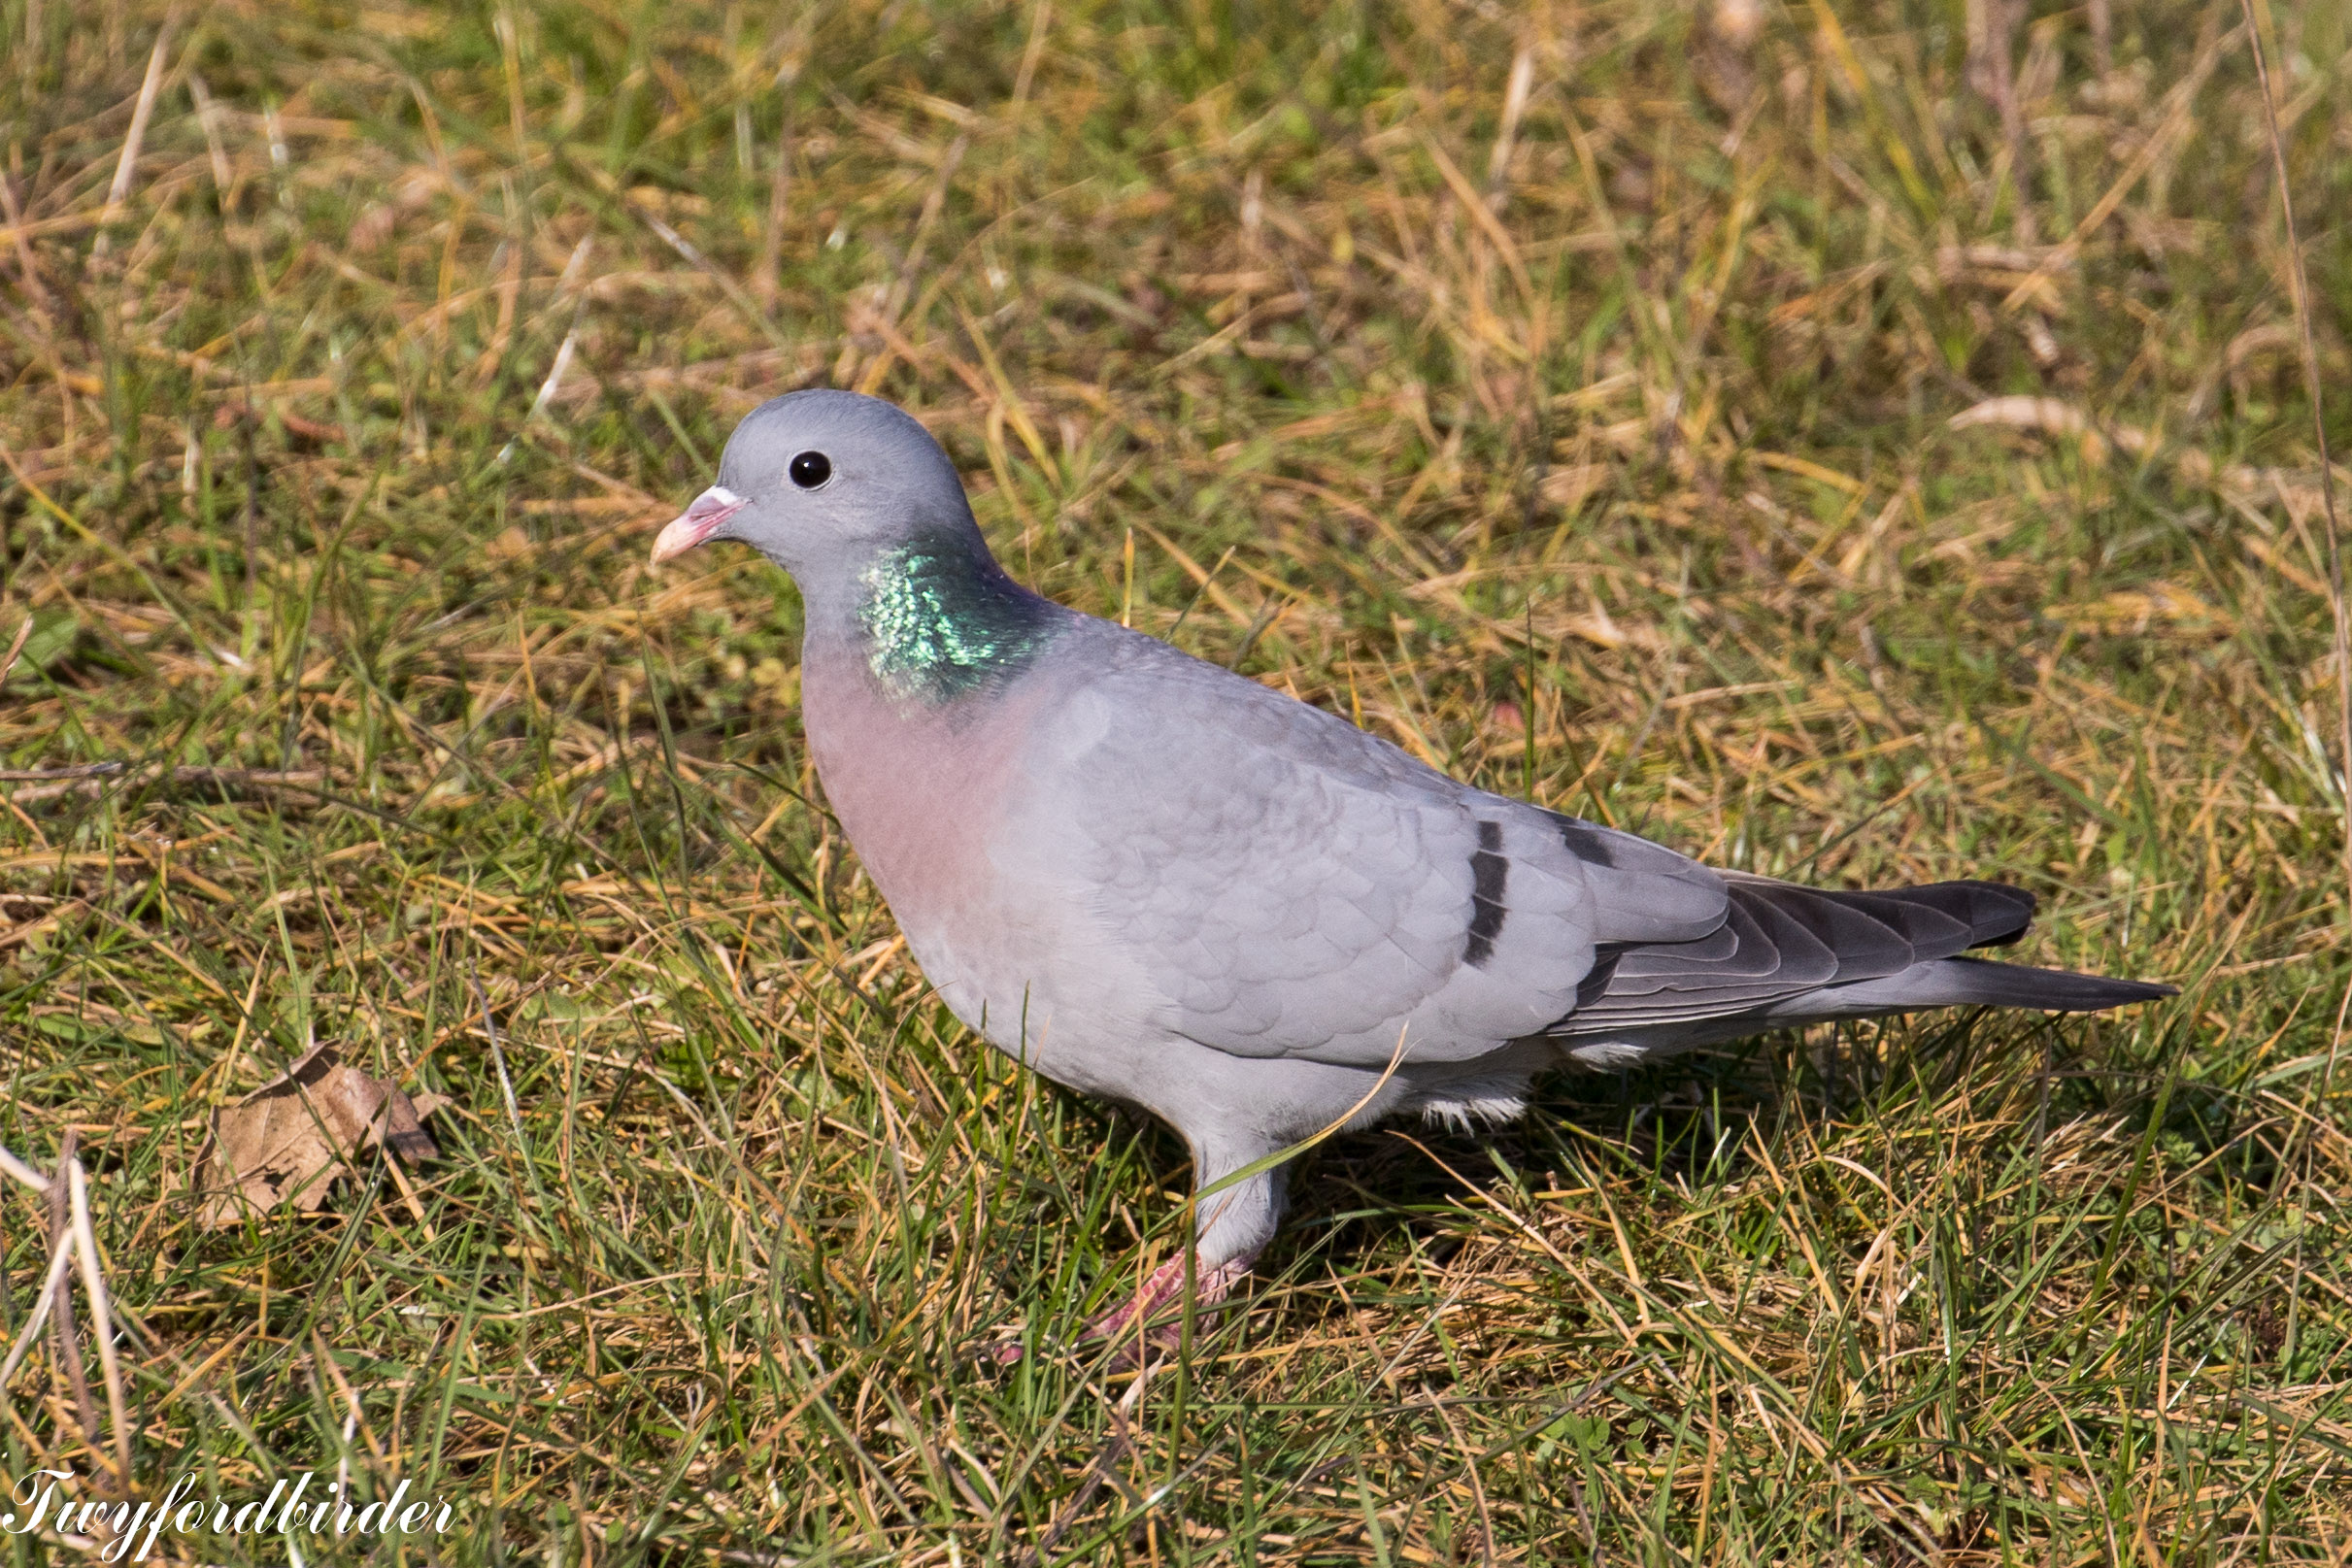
810, 469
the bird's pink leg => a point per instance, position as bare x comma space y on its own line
1163, 1291
1155, 1298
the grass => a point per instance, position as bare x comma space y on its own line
1741, 438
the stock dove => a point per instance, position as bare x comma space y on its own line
1160, 883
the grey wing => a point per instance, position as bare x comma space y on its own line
1291, 887
1279, 895
1550, 894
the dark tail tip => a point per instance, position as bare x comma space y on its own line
2051, 990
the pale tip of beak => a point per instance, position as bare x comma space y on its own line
696, 523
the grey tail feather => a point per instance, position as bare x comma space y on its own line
1982, 983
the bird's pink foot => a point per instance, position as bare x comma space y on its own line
1154, 1299
1159, 1294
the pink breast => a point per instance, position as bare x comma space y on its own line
920, 789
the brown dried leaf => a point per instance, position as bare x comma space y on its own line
286, 1141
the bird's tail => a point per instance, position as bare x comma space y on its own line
1979, 983
1787, 956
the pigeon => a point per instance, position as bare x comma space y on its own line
1160, 883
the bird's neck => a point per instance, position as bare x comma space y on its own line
937, 619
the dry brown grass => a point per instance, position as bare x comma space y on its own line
1747, 439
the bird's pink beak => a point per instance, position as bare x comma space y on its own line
696, 522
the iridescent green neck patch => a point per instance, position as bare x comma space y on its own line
941, 623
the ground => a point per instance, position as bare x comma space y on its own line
1862, 441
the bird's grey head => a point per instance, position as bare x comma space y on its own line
819, 481
857, 501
